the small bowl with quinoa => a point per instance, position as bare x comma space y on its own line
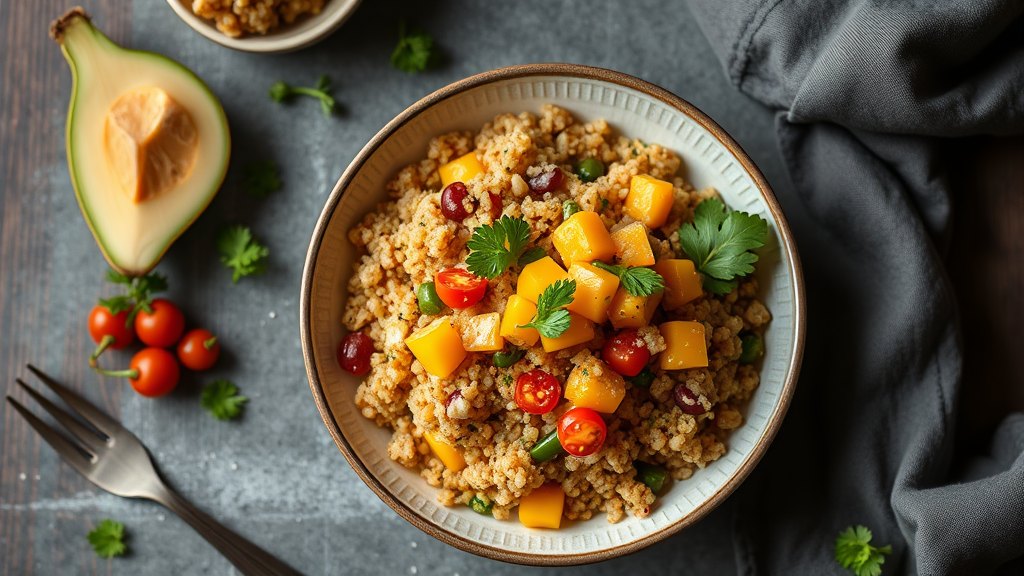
267, 26
552, 314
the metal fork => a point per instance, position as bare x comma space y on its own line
115, 460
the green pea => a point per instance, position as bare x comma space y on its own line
643, 379
753, 348
429, 301
651, 475
547, 448
569, 207
479, 506
504, 359
590, 169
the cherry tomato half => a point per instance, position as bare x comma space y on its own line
459, 288
162, 327
158, 372
581, 431
198, 349
354, 353
103, 323
537, 392
626, 353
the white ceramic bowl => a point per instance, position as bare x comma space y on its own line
305, 31
633, 108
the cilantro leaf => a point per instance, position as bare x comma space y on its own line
221, 398
531, 255
140, 293
720, 243
414, 51
493, 248
637, 281
854, 551
107, 539
281, 91
552, 320
261, 179
241, 252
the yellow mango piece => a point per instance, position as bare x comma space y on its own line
449, 455
594, 291
594, 385
462, 169
649, 200
632, 248
438, 347
628, 311
481, 333
518, 312
682, 283
580, 330
542, 507
536, 276
583, 238
685, 346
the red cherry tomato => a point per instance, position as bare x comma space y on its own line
626, 353
354, 353
459, 288
157, 372
581, 431
103, 323
537, 392
162, 327
198, 349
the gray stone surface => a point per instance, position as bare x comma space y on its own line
275, 475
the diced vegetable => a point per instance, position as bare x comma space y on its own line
518, 312
583, 238
632, 247
628, 311
580, 330
536, 276
581, 431
438, 347
590, 169
652, 475
547, 448
462, 169
682, 283
594, 291
449, 455
542, 507
504, 359
480, 333
626, 352
594, 385
753, 348
459, 288
685, 345
649, 200
427, 298
569, 207
537, 392
644, 379
480, 506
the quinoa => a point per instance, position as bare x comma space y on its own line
235, 17
407, 240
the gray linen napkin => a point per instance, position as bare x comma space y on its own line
864, 91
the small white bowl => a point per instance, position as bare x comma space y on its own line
305, 31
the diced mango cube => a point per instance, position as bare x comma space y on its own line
632, 248
438, 347
542, 507
685, 346
594, 385
481, 333
649, 200
583, 238
449, 455
628, 311
580, 330
519, 312
462, 169
536, 276
594, 291
682, 283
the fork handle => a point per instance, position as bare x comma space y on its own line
250, 559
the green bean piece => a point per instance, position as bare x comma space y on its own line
531, 255
547, 448
480, 507
504, 359
651, 474
429, 301
590, 169
569, 207
643, 379
753, 348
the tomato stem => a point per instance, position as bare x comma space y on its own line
209, 344
105, 343
131, 373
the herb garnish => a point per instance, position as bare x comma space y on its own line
221, 398
140, 293
854, 551
414, 50
241, 252
261, 179
107, 539
531, 255
552, 320
720, 243
281, 91
637, 281
493, 248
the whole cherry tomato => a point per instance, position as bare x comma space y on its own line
581, 431
155, 371
537, 392
103, 323
354, 353
459, 288
163, 326
626, 353
198, 349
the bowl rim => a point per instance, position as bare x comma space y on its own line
572, 71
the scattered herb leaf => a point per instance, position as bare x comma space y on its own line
414, 50
281, 91
637, 281
261, 179
720, 242
854, 551
531, 255
552, 320
140, 293
221, 398
107, 539
494, 247
241, 252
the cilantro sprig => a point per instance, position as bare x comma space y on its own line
140, 293
854, 551
107, 539
494, 247
261, 179
221, 398
241, 252
552, 319
720, 242
281, 91
637, 281
414, 51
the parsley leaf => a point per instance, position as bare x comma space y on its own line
221, 398
241, 252
531, 255
261, 179
489, 256
107, 539
552, 320
637, 281
720, 243
281, 91
414, 51
854, 551
140, 293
